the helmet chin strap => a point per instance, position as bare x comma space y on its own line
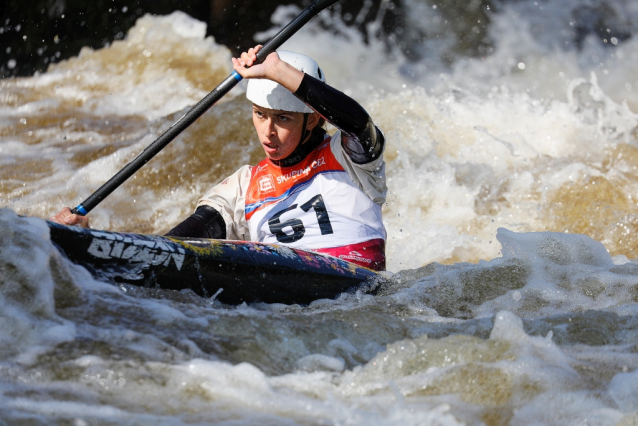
305, 132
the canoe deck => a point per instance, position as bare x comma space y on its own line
232, 271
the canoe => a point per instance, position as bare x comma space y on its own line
231, 271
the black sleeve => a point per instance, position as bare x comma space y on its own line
206, 222
362, 141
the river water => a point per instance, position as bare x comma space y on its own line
512, 296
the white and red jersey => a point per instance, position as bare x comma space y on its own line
325, 203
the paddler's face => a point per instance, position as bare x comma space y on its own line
280, 131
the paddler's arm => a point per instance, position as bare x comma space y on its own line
362, 140
66, 217
220, 211
206, 222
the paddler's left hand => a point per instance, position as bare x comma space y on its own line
272, 68
66, 217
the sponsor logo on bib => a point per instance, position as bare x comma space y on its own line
354, 255
266, 184
301, 172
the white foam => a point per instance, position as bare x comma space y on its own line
509, 327
566, 408
27, 302
623, 389
563, 249
450, 155
320, 362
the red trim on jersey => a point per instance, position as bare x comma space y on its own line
370, 254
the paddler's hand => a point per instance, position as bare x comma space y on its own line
272, 68
65, 217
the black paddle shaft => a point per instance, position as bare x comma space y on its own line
198, 110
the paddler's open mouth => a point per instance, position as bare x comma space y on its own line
270, 147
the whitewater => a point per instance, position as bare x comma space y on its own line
511, 295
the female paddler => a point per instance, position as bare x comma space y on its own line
313, 191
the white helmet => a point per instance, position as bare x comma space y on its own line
269, 94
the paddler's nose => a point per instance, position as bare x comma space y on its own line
269, 127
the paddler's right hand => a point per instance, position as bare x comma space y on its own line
66, 217
273, 68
